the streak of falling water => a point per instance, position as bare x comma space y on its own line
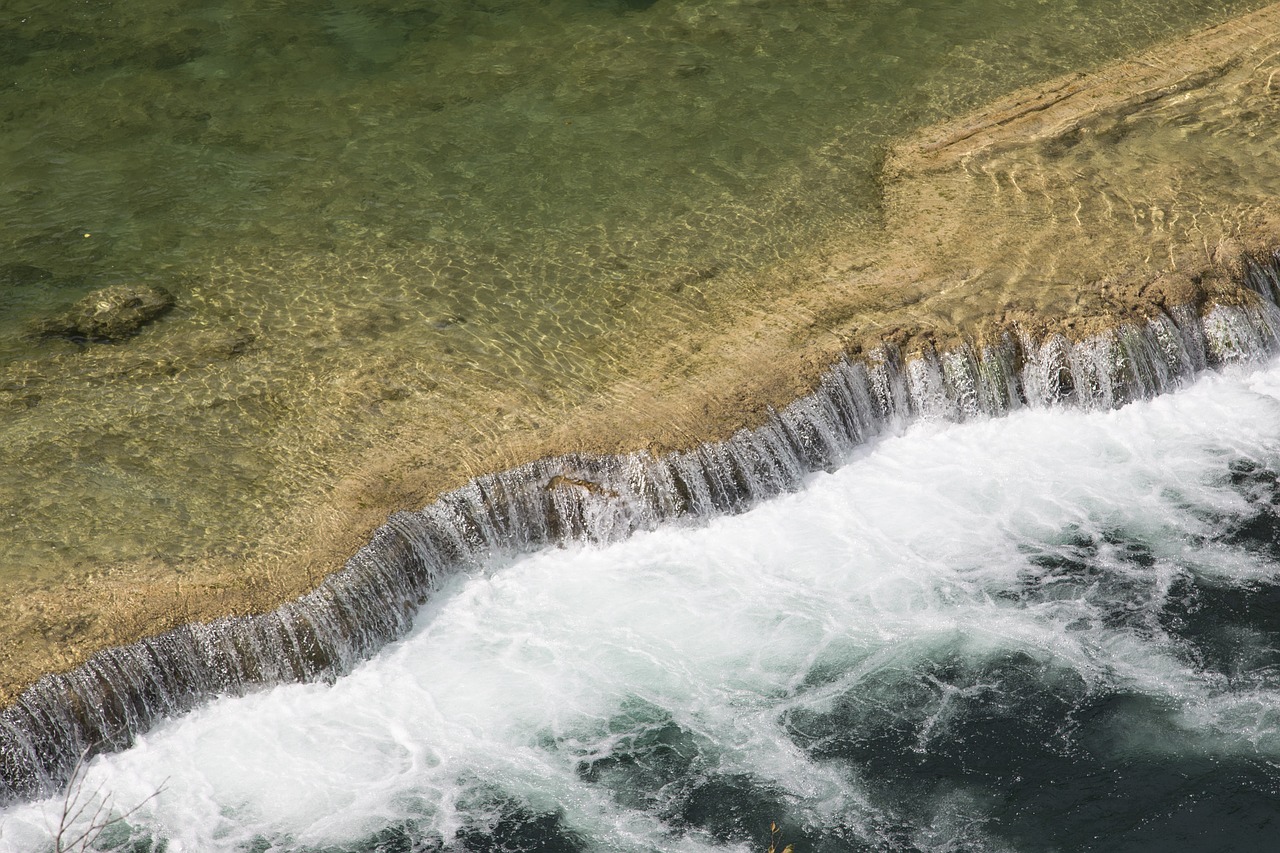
999, 632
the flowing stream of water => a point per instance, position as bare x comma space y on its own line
889, 619
1055, 630
372, 213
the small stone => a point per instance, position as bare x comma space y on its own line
111, 314
445, 321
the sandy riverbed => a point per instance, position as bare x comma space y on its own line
1072, 205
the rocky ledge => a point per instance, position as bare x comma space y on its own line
1087, 241
109, 315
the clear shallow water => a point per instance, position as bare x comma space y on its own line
1053, 631
369, 211
156, 138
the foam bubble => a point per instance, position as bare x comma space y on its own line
679, 691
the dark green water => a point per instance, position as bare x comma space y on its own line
1052, 631
151, 139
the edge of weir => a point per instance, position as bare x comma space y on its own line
122, 692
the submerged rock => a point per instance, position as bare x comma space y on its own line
110, 314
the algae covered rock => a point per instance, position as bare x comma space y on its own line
110, 314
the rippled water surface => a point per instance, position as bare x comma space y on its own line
368, 211
1052, 631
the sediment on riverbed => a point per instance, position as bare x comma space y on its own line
1060, 213
582, 498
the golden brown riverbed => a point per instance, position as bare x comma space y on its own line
1073, 204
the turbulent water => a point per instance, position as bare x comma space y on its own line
1051, 631
1055, 630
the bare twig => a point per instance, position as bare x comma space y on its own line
774, 835
85, 816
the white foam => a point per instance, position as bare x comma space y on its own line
511, 676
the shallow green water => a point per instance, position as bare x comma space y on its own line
360, 206
1054, 631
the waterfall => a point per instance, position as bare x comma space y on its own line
370, 602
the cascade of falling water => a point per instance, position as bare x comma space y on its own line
121, 692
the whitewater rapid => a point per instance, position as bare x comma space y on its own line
1017, 633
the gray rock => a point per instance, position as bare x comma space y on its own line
110, 314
